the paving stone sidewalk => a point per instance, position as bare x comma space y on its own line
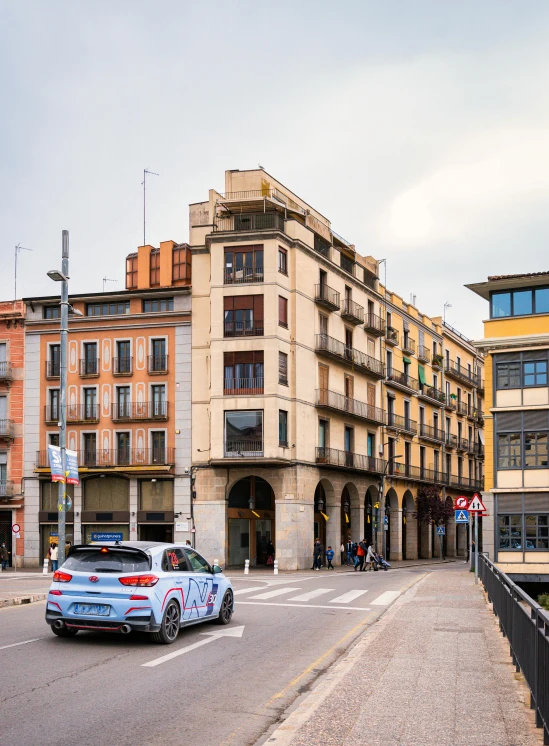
434, 670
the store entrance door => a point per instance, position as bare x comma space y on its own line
239, 541
5, 532
156, 532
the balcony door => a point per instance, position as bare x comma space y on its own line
90, 358
158, 442
124, 359
323, 382
90, 449
349, 344
90, 403
158, 350
158, 394
349, 393
348, 441
123, 403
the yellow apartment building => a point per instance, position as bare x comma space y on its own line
321, 401
516, 345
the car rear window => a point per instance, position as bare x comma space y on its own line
117, 561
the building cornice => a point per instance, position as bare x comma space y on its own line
502, 344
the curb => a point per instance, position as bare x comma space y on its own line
22, 600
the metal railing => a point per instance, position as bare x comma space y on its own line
243, 329
461, 408
333, 400
6, 489
398, 422
450, 403
6, 428
53, 368
349, 460
250, 222
451, 367
464, 483
526, 626
374, 323
432, 393
391, 335
353, 311
146, 410
451, 440
89, 366
242, 275
5, 370
479, 450
122, 366
424, 353
157, 363
419, 473
409, 345
396, 376
431, 432
337, 349
438, 361
242, 386
248, 447
326, 295
82, 412
102, 457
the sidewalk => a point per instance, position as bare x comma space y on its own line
434, 671
256, 572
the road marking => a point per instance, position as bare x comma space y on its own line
230, 632
311, 594
304, 606
277, 592
346, 597
25, 642
386, 598
246, 590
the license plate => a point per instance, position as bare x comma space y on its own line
92, 609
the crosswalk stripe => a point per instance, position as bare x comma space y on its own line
386, 598
346, 597
311, 594
246, 590
272, 594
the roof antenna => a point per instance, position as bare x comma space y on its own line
18, 248
144, 182
446, 305
105, 280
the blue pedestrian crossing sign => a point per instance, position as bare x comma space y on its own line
441, 530
462, 516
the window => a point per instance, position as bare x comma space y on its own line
90, 363
90, 445
509, 451
508, 375
131, 272
123, 360
244, 264
282, 311
323, 426
52, 312
175, 560
371, 445
156, 305
521, 302
535, 450
535, 373
323, 324
283, 368
282, 428
53, 439
510, 531
198, 563
348, 439
501, 305
243, 373
244, 433
90, 403
243, 315
123, 449
537, 531
53, 413
282, 261
347, 264
54, 363
108, 309
541, 297
158, 359
181, 264
155, 267
123, 404
158, 403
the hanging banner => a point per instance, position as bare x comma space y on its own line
56, 466
72, 467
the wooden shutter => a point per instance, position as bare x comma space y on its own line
258, 307
243, 302
282, 310
323, 377
349, 387
371, 395
228, 303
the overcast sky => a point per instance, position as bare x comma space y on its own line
420, 129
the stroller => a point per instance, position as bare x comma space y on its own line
382, 563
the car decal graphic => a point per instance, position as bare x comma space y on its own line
197, 597
137, 608
212, 599
180, 590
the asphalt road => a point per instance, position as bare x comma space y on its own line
226, 691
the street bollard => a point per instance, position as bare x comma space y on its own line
247, 567
216, 561
276, 567
46, 566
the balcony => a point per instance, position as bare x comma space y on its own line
136, 411
415, 473
438, 362
479, 450
432, 395
451, 441
335, 349
327, 297
260, 221
82, 413
5, 371
243, 329
348, 460
89, 367
409, 345
102, 458
401, 424
469, 484
462, 444
246, 448
242, 275
460, 373
7, 429
7, 489
122, 366
322, 246
391, 336
242, 386
479, 416
450, 403
157, 364
423, 354
374, 324
338, 402
431, 433
461, 408
352, 312
402, 381
53, 369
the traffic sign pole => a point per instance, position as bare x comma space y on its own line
15, 529
476, 549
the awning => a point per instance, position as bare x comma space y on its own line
421, 374
407, 360
481, 436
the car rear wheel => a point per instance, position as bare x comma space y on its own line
169, 629
63, 631
226, 610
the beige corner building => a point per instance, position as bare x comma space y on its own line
321, 401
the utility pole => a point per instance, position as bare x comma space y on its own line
18, 248
144, 182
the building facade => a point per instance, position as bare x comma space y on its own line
128, 407
12, 357
516, 344
321, 401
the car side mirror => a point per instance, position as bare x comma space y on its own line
216, 569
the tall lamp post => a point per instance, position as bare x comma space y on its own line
63, 277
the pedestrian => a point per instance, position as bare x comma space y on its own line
360, 554
4, 555
54, 555
329, 557
349, 549
270, 553
370, 557
342, 548
188, 543
317, 555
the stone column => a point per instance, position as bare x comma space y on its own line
333, 528
411, 536
395, 528
357, 523
294, 529
211, 530
461, 533
426, 543
134, 497
451, 537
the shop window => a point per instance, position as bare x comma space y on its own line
156, 495
106, 494
49, 496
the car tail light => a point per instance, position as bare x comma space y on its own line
104, 550
55, 593
136, 597
62, 577
142, 581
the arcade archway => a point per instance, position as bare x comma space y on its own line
251, 521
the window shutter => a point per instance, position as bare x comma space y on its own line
534, 355
282, 310
228, 358
509, 421
536, 502
258, 307
243, 302
258, 356
537, 420
228, 303
243, 357
511, 503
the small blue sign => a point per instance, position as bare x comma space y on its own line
441, 530
386, 520
462, 516
106, 536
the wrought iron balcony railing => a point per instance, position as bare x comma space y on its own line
338, 350
352, 312
400, 379
5, 370
391, 336
242, 386
147, 410
242, 275
260, 221
349, 460
423, 354
245, 448
110, 457
432, 394
397, 422
332, 400
7, 429
327, 297
157, 363
89, 367
243, 329
462, 373
122, 366
409, 345
53, 368
374, 324
430, 432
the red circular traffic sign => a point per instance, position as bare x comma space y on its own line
15, 528
462, 503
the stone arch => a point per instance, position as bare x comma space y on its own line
370, 499
391, 538
251, 516
324, 505
350, 519
409, 527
